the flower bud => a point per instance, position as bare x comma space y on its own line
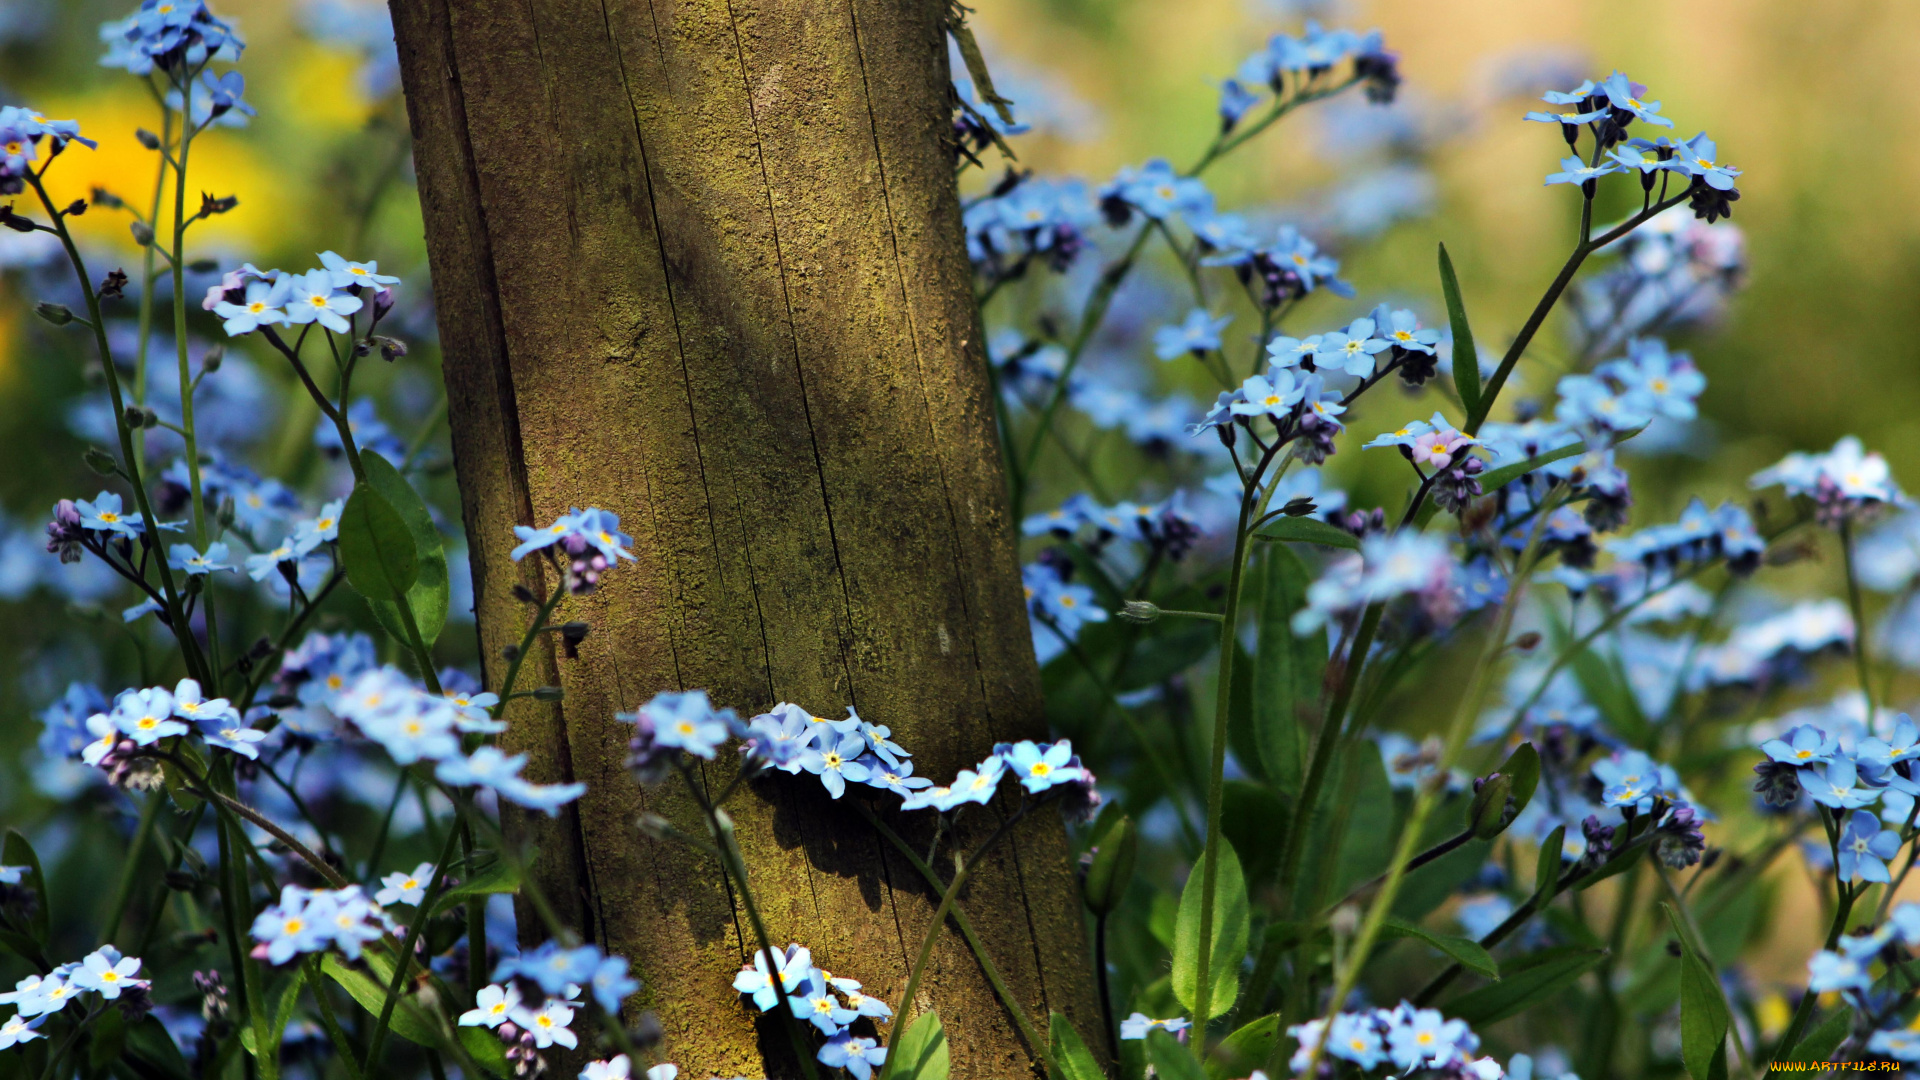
548, 693
57, 314
100, 461
1492, 810
147, 138
1139, 611
142, 233
1112, 868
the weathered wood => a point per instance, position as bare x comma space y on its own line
700, 263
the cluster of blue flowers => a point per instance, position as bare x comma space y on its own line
555, 976
832, 1005
586, 543
104, 972
248, 298
23, 132
316, 920
1849, 972
1847, 483
1406, 1038
176, 36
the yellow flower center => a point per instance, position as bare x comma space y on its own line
108, 516
294, 926
1040, 768
317, 300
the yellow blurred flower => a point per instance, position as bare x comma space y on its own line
221, 163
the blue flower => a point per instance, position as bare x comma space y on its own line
898, 779
780, 736
1286, 352
818, 1006
1352, 350
405, 888
552, 966
346, 274
1402, 328
860, 1003
291, 926
837, 763
1579, 95
1695, 157
1624, 96
793, 964
612, 984
1589, 399
1838, 785
18, 1029
323, 528
1157, 191
1200, 332
1137, 1026
532, 540
493, 1005
1902, 1044
976, 785
1424, 1037
1272, 395
853, 1053
1235, 102
687, 721
1040, 769
106, 514
1802, 746
1669, 381
1575, 171
1829, 972
146, 716
1354, 1037
196, 563
312, 297
261, 307
108, 973
1865, 848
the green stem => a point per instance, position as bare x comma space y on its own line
1803, 1012
1587, 246
176, 617
476, 923
403, 961
1430, 793
123, 895
1217, 759
1859, 618
961, 874
534, 629
342, 1049
1020, 1018
1323, 746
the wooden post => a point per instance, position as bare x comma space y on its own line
700, 263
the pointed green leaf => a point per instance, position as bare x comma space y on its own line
1246, 1049
1287, 669
1229, 945
1068, 1057
503, 876
1822, 1041
174, 777
1546, 872
921, 1053
1524, 766
1305, 530
1704, 1016
1466, 360
1254, 821
1618, 863
1465, 951
376, 547
1524, 983
431, 592
18, 852
148, 1040
283, 1010
1171, 1059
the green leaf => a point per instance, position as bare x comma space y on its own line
1365, 849
1229, 944
1524, 766
1820, 1043
1246, 1049
376, 547
503, 876
1703, 1009
1305, 530
1546, 871
175, 777
109, 1038
1068, 1057
1172, 1060
148, 1040
1429, 886
283, 1010
1466, 360
1255, 823
921, 1053
18, 852
1465, 951
1287, 669
368, 987
431, 592
1524, 983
